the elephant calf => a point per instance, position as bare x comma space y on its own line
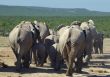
98, 43
39, 53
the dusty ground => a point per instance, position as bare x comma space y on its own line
99, 66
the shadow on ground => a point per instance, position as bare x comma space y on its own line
31, 70
48, 70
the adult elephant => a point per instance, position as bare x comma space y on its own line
44, 30
90, 33
71, 45
21, 39
98, 43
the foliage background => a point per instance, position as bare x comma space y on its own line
7, 23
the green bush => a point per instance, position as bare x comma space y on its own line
8, 22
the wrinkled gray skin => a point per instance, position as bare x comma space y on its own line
90, 34
39, 53
49, 41
98, 43
71, 45
44, 30
21, 39
52, 53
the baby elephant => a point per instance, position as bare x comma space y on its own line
39, 54
98, 43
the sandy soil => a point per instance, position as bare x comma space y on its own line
98, 67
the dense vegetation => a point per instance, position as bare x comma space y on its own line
7, 23
44, 11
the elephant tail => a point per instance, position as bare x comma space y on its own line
63, 40
18, 36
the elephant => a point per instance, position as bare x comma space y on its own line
90, 33
76, 23
59, 27
44, 30
52, 53
70, 47
39, 53
49, 41
21, 40
98, 43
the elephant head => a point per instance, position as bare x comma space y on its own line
43, 28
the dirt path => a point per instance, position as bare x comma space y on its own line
99, 66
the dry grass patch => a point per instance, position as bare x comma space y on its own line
99, 70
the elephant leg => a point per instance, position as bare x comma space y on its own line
65, 57
18, 63
101, 50
35, 56
71, 63
96, 50
52, 57
87, 58
70, 67
58, 62
42, 61
26, 60
79, 64
16, 54
66, 61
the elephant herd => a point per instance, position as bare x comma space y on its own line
71, 44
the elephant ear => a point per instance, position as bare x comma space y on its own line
91, 22
35, 31
35, 22
63, 40
84, 26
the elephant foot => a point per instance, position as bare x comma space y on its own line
57, 68
78, 71
18, 67
26, 65
52, 64
85, 64
68, 74
18, 70
40, 65
36, 65
78, 68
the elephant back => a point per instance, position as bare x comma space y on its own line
63, 40
61, 30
